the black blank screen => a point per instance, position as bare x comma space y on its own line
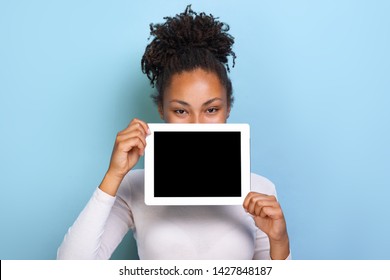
197, 164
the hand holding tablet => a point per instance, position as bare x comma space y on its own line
197, 164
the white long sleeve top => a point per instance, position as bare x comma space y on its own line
165, 232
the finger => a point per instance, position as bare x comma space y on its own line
132, 134
131, 143
137, 123
133, 127
253, 197
257, 204
260, 204
248, 197
274, 213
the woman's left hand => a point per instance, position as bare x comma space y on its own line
268, 216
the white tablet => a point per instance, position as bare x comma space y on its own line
197, 164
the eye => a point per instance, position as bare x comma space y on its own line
212, 110
180, 111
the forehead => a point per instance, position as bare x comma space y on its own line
195, 84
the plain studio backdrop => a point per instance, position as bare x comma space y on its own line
312, 78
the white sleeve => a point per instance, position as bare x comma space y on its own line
262, 247
98, 230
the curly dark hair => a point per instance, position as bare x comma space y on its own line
186, 42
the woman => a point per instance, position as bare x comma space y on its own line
187, 61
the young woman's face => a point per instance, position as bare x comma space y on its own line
195, 97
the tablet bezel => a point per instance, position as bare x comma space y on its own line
244, 130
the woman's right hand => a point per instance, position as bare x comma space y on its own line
129, 145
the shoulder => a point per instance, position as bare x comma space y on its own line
262, 184
132, 182
135, 176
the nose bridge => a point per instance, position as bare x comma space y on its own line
195, 118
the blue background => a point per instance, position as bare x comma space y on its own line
311, 78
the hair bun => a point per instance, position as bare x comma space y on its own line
185, 32
191, 30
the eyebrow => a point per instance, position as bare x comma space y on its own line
208, 102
